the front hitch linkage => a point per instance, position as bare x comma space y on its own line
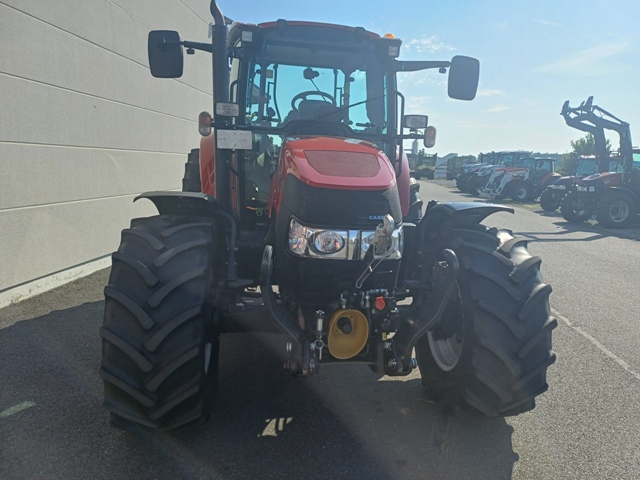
443, 280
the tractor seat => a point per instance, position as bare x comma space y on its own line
316, 110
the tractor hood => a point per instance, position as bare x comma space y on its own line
471, 167
512, 169
608, 179
337, 163
485, 170
336, 181
567, 180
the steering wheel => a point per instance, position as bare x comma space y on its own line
304, 95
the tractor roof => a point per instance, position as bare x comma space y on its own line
323, 44
282, 24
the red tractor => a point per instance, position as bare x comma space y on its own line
305, 223
583, 166
613, 195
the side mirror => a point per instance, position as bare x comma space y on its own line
165, 54
464, 73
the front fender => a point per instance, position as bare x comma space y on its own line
436, 216
182, 203
625, 191
202, 205
460, 213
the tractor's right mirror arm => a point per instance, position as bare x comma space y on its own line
416, 65
190, 46
464, 74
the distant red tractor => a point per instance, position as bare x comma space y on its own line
305, 223
614, 196
554, 194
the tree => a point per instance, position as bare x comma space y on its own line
583, 146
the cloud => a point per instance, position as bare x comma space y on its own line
499, 108
427, 45
420, 79
418, 105
490, 93
547, 22
588, 62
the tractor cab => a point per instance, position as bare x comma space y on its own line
295, 80
292, 89
284, 80
299, 79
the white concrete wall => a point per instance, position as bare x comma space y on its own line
84, 127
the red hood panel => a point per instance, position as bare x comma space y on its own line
339, 163
610, 179
343, 164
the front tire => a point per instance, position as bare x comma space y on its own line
476, 184
159, 347
461, 183
520, 191
489, 355
472, 188
616, 210
577, 207
550, 200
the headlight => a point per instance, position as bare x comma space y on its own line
338, 244
315, 242
581, 188
592, 188
327, 241
558, 187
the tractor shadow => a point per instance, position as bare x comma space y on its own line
591, 226
344, 423
596, 231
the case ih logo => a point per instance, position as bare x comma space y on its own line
376, 217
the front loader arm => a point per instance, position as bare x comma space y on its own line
590, 118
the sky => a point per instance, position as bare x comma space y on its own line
534, 55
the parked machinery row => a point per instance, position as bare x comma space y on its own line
507, 174
605, 185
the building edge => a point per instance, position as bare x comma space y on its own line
44, 284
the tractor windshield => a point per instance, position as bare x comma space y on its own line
586, 167
279, 94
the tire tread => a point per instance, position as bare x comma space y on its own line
157, 320
507, 341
